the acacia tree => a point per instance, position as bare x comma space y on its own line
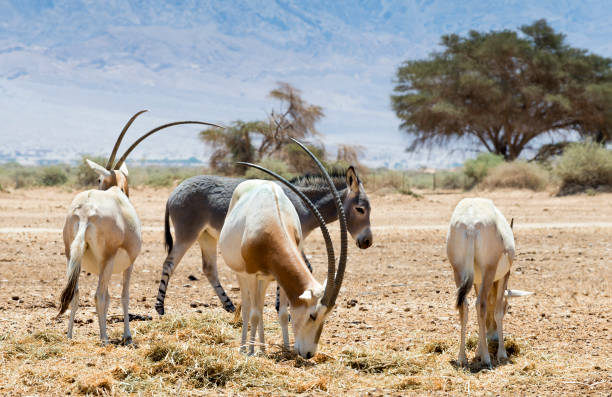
231, 144
504, 89
296, 119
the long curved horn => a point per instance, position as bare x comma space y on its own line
111, 158
154, 130
331, 260
330, 300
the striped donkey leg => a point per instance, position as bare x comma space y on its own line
208, 245
173, 259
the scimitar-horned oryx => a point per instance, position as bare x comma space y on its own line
480, 248
198, 207
102, 235
260, 241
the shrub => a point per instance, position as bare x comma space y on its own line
516, 175
477, 169
453, 180
300, 162
278, 166
53, 175
584, 166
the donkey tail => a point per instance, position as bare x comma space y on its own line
167, 234
77, 250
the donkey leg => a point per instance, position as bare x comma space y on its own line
179, 249
208, 245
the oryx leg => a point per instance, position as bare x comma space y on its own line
125, 301
283, 317
102, 297
500, 310
463, 318
74, 305
278, 287
481, 309
182, 244
258, 298
208, 246
246, 309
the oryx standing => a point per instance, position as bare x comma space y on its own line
198, 207
260, 241
480, 248
102, 235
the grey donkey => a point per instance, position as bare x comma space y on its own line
199, 204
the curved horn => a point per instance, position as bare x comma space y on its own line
330, 300
154, 130
331, 260
111, 158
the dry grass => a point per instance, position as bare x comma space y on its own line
199, 354
394, 330
516, 175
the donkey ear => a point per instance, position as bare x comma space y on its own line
98, 168
123, 169
352, 180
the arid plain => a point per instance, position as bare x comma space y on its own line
394, 331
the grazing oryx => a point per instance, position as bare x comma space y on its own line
260, 241
102, 235
480, 247
198, 207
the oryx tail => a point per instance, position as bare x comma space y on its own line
77, 250
467, 275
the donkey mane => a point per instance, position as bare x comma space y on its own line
316, 180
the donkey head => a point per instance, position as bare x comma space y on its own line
357, 208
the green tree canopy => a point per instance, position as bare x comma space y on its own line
505, 88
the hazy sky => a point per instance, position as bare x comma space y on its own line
72, 72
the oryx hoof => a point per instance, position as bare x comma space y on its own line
159, 308
126, 341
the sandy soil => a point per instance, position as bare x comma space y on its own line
402, 288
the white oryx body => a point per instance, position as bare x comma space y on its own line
260, 241
480, 248
102, 234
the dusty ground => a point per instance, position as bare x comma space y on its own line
402, 311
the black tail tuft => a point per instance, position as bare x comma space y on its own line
167, 234
464, 289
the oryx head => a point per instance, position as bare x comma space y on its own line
117, 174
314, 305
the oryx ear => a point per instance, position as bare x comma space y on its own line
516, 293
306, 295
98, 168
123, 169
352, 180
